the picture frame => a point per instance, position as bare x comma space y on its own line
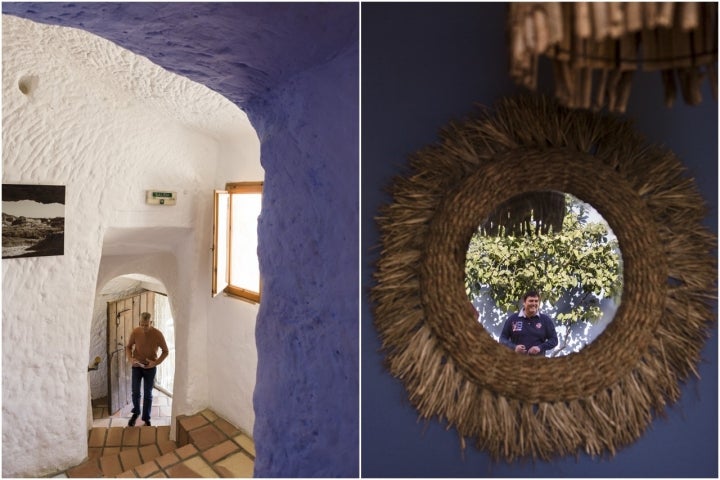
33, 220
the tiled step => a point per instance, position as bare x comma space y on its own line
208, 446
114, 450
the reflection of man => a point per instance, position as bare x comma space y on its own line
529, 331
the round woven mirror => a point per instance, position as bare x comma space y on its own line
511, 405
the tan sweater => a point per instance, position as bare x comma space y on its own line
146, 345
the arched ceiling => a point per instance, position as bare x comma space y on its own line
239, 50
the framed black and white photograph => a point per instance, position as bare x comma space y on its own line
33, 219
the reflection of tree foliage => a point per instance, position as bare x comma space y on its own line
573, 269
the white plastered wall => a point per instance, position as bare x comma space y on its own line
81, 112
232, 358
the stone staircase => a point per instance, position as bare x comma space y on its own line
207, 446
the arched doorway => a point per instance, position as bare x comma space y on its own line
118, 305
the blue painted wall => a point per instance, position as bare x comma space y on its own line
422, 66
307, 393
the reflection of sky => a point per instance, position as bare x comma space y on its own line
593, 216
31, 209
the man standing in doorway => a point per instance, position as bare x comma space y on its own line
529, 331
141, 351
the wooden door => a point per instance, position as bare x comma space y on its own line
123, 316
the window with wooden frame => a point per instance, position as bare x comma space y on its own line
236, 269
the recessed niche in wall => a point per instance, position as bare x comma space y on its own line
27, 84
556, 244
33, 220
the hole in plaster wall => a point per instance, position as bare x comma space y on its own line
28, 84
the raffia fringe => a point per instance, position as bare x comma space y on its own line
595, 401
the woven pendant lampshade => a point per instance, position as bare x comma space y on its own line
527, 214
595, 47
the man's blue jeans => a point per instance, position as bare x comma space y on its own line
147, 376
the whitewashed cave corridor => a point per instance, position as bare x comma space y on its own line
111, 103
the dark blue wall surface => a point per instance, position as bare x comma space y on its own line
422, 66
307, 393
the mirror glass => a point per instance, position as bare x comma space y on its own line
553, 243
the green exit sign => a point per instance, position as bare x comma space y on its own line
160, 197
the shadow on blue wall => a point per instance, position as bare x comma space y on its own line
422, 66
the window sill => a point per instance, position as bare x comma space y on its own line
242, 294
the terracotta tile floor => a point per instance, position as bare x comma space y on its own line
161, 412
207, 446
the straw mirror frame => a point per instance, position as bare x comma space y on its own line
514, 406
